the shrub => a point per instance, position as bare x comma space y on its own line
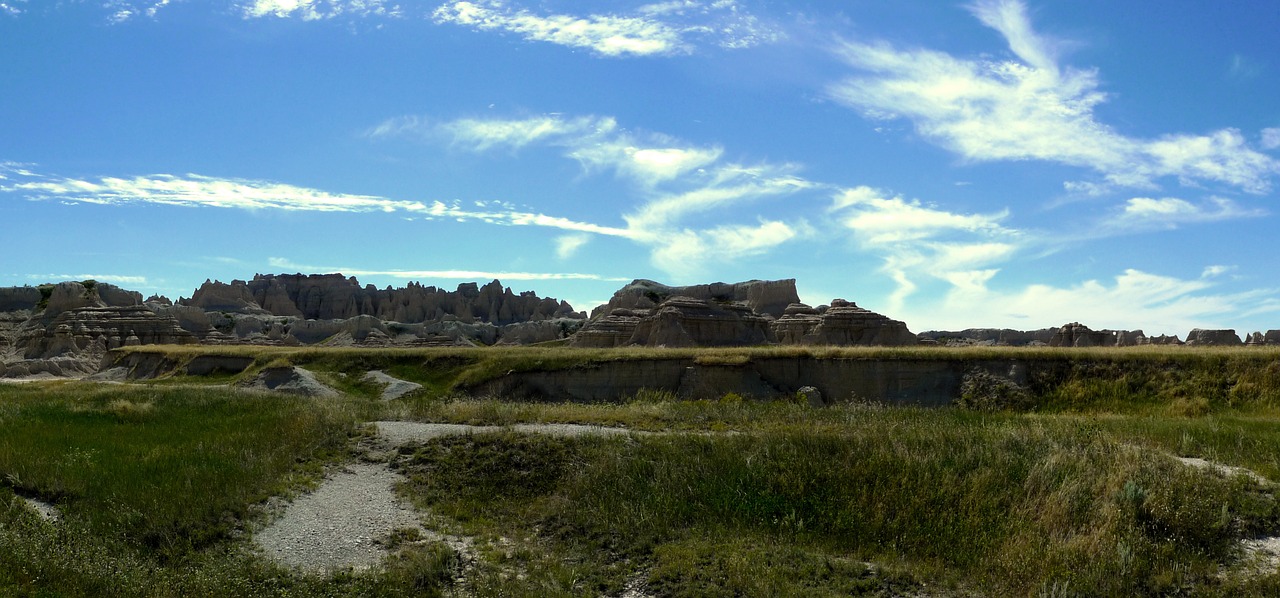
981, 390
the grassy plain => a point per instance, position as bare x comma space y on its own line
1073, 489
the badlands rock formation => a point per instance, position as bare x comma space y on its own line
64, 329
335, 297
332, 308
646, 313
842, 323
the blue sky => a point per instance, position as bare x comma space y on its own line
981, 164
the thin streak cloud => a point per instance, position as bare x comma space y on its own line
284, 263
201, 191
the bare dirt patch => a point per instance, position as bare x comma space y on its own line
392, 387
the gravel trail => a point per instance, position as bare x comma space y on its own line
337, 526
398, 433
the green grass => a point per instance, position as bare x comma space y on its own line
156, 487
997, 504
1065, 485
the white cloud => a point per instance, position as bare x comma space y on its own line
1168, 212
673, 250
1011, 20
568, 245
915, 239
285, 263
731, 185
661, 29
1271, 138
313, 10
1032, 108
675, 180
648, 165
879, 220
1132, 300
481, 135
201, 191
12, 8
1222, 156
1216, 271
604, 34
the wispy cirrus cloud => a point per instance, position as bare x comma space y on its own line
315, 10
13, 8
1032, 108
194, 190
660, 29
1133, 299
1271, 138
1169, 212
674, 182
915, 239
287, 264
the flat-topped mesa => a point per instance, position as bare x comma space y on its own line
1213, 338
765, 297
646, 313
841, 323
1076, 334
651, 314
337, 297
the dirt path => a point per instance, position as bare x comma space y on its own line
343, 523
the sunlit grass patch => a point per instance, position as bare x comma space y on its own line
138, 464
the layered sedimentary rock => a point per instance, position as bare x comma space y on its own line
646, 313
842, 323
103, 328
70, 325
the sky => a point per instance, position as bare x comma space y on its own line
994, 163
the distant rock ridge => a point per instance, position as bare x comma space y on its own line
650, 314
335, 297
1075, 334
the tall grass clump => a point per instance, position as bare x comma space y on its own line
1003, 505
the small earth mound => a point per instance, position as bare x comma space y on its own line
293, 380
393, 388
